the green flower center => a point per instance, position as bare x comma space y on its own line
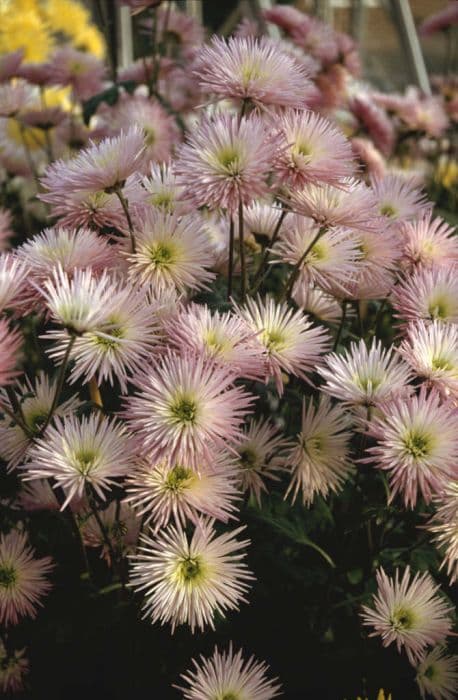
190, 568
229, 696
430, 673
161, 254
8, 576
402, 619
36, 421
274, 340
441, 363
150, 136
184, 411
388, 210
115, 332
163, 200
229, 159
85, 461
417, 445
176, 478
248, 458
438, 308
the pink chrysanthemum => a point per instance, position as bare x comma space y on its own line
398, 199
317, 303
440, 21
444, 526
262, 219
247, 68
187, 581
375, 120
121, 526
287, 17
315, 150
429, 242
37, 495
351, 204
332, 257
365, 376
289, 341
171, 251
10, 343
260, 455
429, 294
14, 97
186, 406
432, 352
13, 276
221, 336
163, 191
375, 276
9, 64
319, 461
75, 453
22, 578
162, 492
6, 231
79, 69
228, 675
437, 675
408, 612
13, 669
417, 443
373, 161
226, 162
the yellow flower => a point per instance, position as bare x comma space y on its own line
72, 19
90, 40
34, 139
24, 29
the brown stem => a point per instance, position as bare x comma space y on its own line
125, 206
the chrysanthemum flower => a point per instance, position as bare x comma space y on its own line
221, 336
186, 406
432, 351
251, 69
375, 276
14, 97
444, 526
417, 442
261, 219
333, 258
9, 64
121, 526
315, 150
374, 120
229, 675
37, 495
440, 21
261, 454
226, 161
10, 343
79, 69
121, 343
437, 675
91, 451
371, 158
365, 376
35, 400
408, 611
398, 199
13, 276
13, 668
22, 578
187, 581
170, 252
319, 461
427, 295
317, 303
427, 241
289, 341
163, 191
351, 204
160, 492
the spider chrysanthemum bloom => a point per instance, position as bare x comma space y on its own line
162, 492
185, 407
365, 376
332, 257
427, 295
437, 675
290, 343
398, 199
444, 526
319, 461
13, 668
427, 241
13, 275
121, 526
262, 219
119, 346
409, 612
375, 276
417, 442
171, 251
187, 580
35, 400
10, 343
92, 451
351, 204
78, 69
226, 162
23, 579
163, 191
246, 68
315, 150
260, 455
374, 120
228, 675
431, 349
221, 336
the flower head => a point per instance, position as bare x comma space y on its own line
188, 580
23, 579
375, 121
428, 294
229, 675
79, 69
428, 242
444, 526
398, 199
121, 526
409, 612
10, 343
437, 675
13, 276
76, 452
13, 668
185, 407
163, 191
319, 461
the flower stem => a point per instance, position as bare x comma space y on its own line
59, 383
260, 276
341, 326
230, 272
296, 269
125, 207
242, 253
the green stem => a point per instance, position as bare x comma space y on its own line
242, 254
260, 275
296, 269
230, 272
59, 383
125, 207
341, 326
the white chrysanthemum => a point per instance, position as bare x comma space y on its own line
13, 274
261, 453
262, 219
429, 294
229, 676
160, 492
437, 675
398, 199
76, 452
171, 252
164, 193
319, 304
432, 352
409, 612
319, 462
187, 581
428, 242
36, 401
290, 342
444, 525
365, 376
